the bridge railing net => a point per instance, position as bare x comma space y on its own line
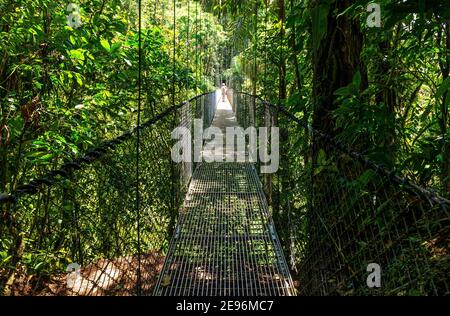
77, 230
338, 212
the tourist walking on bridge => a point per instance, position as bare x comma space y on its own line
224, 92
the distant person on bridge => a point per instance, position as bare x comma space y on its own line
224, 92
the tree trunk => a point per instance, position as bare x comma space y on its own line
336, 60
386, 95
335, 63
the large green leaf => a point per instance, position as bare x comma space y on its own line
105, 44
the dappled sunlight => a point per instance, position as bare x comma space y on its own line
103, 277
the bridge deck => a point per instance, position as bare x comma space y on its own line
225, 242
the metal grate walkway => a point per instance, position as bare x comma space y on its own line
225, 242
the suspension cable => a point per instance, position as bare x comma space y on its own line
201, 61
174, 52
188, 39
172, 167
265, 49
196, 46
138, 142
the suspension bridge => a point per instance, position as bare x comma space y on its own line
225, 243
212, 229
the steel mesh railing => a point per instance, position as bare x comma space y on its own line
337, 212
75, 230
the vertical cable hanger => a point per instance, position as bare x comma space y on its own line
138, 133
282, 69
173, 171
174, 51
255, 53
218, 76
196, 47
200, 59
265, 51
281, 100
188, 39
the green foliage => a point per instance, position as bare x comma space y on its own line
63, 90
